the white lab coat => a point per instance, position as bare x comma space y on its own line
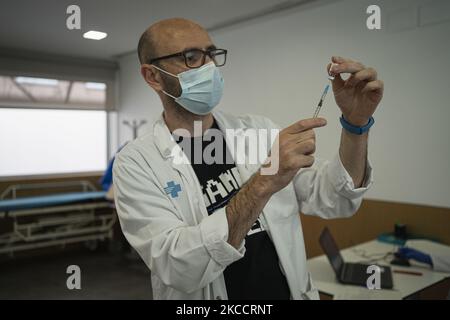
185, 248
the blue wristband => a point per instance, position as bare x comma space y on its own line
356, 130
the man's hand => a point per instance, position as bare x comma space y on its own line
296, 144
360, 94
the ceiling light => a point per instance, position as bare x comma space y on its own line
94, 35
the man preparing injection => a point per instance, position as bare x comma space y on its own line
225, 230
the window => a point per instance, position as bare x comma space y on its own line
44, 92
49, 141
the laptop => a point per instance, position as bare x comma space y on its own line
351, 273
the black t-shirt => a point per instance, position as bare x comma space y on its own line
257, 275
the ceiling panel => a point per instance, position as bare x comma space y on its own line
41, 25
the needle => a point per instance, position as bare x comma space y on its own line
324, 94
322, 98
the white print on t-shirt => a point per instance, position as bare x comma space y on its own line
217, 190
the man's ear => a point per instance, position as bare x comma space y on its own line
150, 76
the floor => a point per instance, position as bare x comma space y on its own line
104, 275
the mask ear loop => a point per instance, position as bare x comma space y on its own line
170, 74
166, 72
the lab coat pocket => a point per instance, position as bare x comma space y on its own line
311, 292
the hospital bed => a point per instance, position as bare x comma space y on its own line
54, 218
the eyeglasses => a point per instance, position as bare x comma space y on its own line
195, 58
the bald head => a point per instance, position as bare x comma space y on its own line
170, 36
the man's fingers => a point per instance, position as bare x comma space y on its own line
368, 74
376, 86
306, 147
308, 161
337, 83
305, 161
342, 65
299, 137
296, 163
337, 59
306, 124
303, 136
347, 67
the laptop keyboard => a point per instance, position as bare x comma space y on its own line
355, 271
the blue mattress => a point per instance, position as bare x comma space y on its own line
51, 200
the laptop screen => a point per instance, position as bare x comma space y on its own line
331, 250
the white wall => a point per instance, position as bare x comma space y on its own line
136, 99
276, 67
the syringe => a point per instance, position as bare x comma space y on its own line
324, 94
319, 106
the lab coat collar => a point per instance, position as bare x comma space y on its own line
163, 139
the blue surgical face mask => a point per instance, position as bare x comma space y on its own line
201, 88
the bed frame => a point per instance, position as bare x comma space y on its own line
54, 219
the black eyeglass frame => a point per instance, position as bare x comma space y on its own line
205, 53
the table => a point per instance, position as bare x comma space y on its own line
375, 252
